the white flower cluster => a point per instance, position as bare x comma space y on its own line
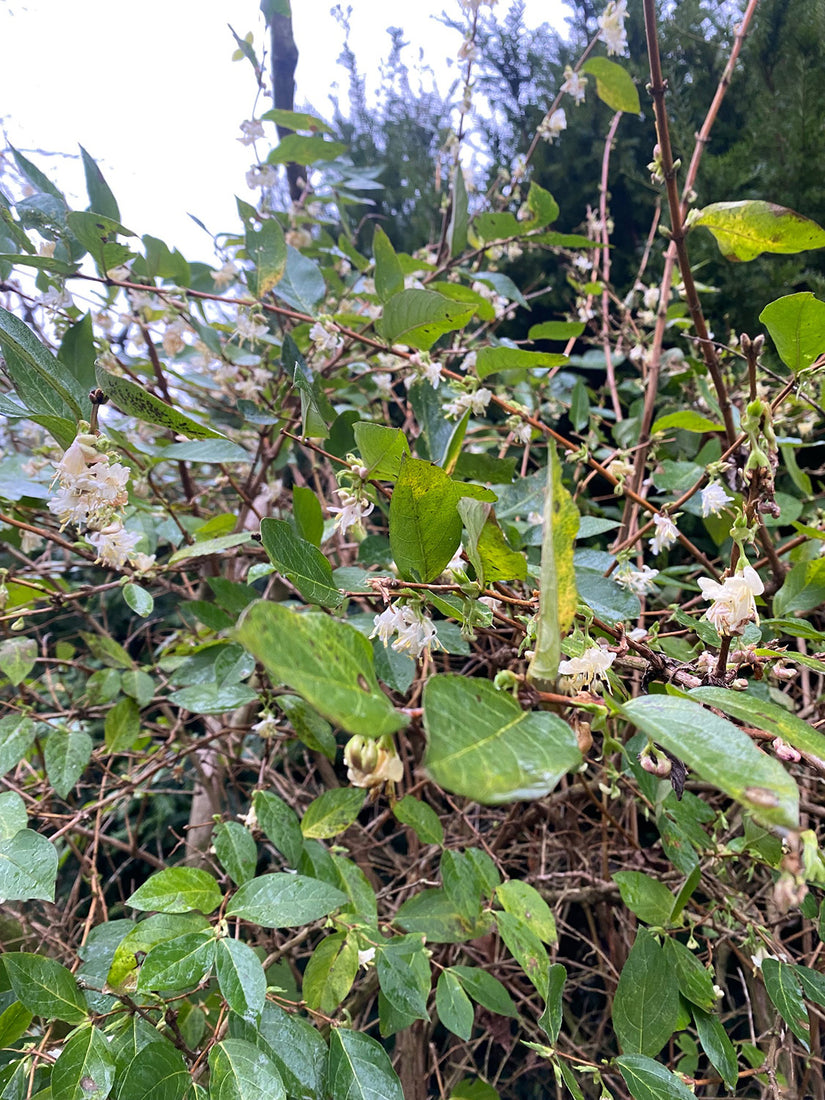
733, 605
91, 495
611, 27
355, 508
326, 337
665, 535
416, 632
714, 499
426, 368
477, 401
588, 670
552, 125
574, 85
251, 130
641, 581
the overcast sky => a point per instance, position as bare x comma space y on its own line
151, 92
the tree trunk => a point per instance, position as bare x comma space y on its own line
284, 61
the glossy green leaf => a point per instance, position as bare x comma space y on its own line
614, 84
282, 900
66, 754
14, 1022
717, 1045
796, 324
524, 901
359, 1068
16, 737
18, 656
421, 818
721, 754
280, 823
206, 547
298, 1051
240, 1071
13, 817
389, 275
141, 601
236, 849
178, 890
746, 228
306, 511
330, 972
527, 949
241, 978
695, 980
649, 1080
305, 150
556, 330
301, 562
462, 884
45, 987
266, 248
454, 1008
383, 449
687, 420
332, 812
486, 990
28, 867
213, 698
785, 991
434, 914
542, 206
156, 1072
419, 317
645, 896
122, 725
489, 552
551, 1019
134, 400
492, 360
803, 588
557, 580
481, 744
178, 964
769, 716
328, 662
42, 381
646, 1005
404, 975
302, 285
85, 1069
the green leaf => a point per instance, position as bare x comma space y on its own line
309, 519
721, 754
434, 914
453, 1006
717, 1046
134, 400
301, 562
499, 227
614, 85
419, 317
524, 901
489, 552
213, 698
181, 963
207, 547
796, 324
491, 360
768, 716
280, 823
646, 1005
16, 738
178, 890
695, 981
204, 450
66, 754
18, 656
14, 1023
122, 726
648, 898
266, 248
282, 900
107, 650
486, 990
42, 382
332, 812
241, 978
305, 150
298, 1050
746, 228
389, 275
551, 1018
527, 949
688, 420
156, 1072
425, 527
101, 199
404, 975
45, 987
98, 235
557, 581
77, 351
359, 1068
239, 1071
13, 817
139, 599
28, 867
481, 744
462, 884
383, 449
295, 120
328, 662
803, 588
302, 285
85, 1069
330, 972
316, 411
459, 220
649, 1080
542, 206
786, 993
236, 850
556, 330
421, 818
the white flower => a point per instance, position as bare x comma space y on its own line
91, 488
251, 130
355, 508
641, 581
225, 275
574, 85
426, 368
552, 125
114, 544
366, 956
666, 533
582, 262
589, 670
651, 297
326, 337
173, 341
733, 605
611, 27
248, 328
477, 401
416, 632
141, 563
263, 176
714, 499
386, 624
372, 763
383, 383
